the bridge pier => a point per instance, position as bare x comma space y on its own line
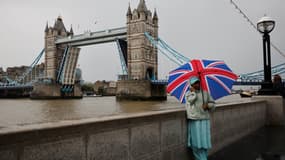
53, 91
140, 90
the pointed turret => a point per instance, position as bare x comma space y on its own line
71, 31
58, 25
155, 17
129, 10
142, 6
46, 30
129, 14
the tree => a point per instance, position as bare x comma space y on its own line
87, 88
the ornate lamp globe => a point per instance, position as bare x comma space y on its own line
265, 24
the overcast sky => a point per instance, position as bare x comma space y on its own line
208, 29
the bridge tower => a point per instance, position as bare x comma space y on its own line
53, 52
60, 65
142, 56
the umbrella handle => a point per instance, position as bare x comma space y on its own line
203, 99
201, 88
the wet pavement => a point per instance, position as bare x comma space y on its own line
267, 143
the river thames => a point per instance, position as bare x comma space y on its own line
23, 112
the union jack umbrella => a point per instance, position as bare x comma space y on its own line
215, 77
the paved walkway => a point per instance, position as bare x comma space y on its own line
267, 143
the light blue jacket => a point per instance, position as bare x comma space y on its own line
194, 102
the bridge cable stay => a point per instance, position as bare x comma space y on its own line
28, 71
123, 62
179, 59
62, 64
254, 26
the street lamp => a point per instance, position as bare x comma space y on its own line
265, 25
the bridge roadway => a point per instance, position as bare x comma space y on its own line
89, 38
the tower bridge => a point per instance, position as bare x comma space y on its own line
139, 57
138, 45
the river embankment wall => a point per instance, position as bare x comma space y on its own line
151, 135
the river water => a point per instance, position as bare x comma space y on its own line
20, 112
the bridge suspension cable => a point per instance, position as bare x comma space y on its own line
10, 81
167, 51
30, 68
179, 59
26, 73
254, 26
278, 69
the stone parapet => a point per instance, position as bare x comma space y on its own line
231, 122
135, 136
275, 110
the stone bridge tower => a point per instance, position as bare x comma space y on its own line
53, 52
142, 56
57, 66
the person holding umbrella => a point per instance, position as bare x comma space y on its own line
196, 83
198, 104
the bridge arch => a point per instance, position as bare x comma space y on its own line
150, 74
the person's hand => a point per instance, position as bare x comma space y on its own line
205, 106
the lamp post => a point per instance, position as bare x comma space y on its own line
265, 25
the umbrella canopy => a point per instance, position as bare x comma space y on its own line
215, 77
